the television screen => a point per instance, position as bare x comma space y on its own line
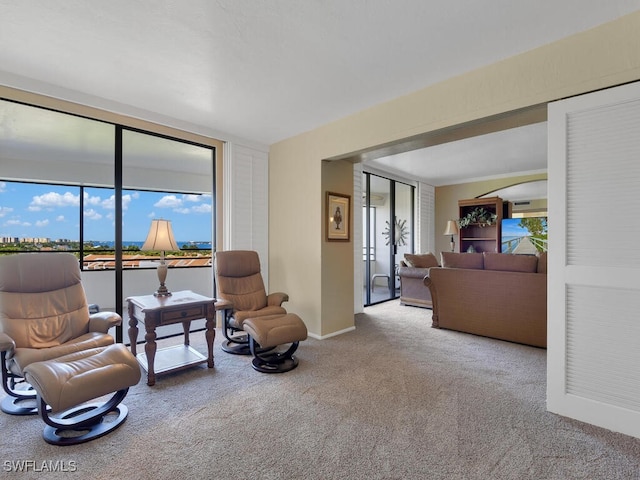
524, 236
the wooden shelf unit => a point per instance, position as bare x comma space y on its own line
486, 238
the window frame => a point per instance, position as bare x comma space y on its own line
119, 128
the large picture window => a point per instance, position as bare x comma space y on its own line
92, 187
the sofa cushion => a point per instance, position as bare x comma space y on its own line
425, 260
507, 262
462, 260
542, 262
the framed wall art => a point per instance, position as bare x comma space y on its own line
337, 217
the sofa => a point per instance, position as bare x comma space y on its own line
412, 270
495, 295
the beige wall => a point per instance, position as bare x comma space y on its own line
602, 57
446, 200
295, 206
337, 297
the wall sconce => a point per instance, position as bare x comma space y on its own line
160, 237
452, 229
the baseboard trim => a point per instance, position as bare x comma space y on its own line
339, 332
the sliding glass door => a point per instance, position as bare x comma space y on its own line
387, 235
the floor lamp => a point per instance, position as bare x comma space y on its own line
160, 238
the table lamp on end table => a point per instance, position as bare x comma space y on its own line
160, 237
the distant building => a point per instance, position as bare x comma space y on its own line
35, 240
9, 239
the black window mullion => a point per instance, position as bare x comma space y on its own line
118, 229
81, 223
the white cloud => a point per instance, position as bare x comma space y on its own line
91, 200
204, 208
17, 222
91, 214
5, 210
178, 204
60, 218
168, 201
54, 199
126, 200
191, 198
42, 223
110, 203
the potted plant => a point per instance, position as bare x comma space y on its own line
478, 216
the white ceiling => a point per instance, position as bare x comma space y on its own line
504, 153
267, 70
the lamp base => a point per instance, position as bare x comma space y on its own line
162, 276
162, 292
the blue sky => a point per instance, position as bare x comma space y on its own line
33, 210
510, 228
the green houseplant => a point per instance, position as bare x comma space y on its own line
478, 216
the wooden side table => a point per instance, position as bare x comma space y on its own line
180, 307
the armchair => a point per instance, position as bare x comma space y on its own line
44, 315
239, 281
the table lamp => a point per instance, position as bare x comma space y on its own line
452, 229
160, 237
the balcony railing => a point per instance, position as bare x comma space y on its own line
104, 259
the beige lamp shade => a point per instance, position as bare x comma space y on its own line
452, 228
160, 237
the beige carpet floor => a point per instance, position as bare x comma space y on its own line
394, 399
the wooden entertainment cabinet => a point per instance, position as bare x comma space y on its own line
485, 238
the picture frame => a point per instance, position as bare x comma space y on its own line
338, 217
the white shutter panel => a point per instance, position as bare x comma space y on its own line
246, 197
358, 240
426, 218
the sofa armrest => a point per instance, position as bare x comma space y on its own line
277, 298
413, 272
103, 321
6, 343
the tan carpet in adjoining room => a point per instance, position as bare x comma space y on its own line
394, 399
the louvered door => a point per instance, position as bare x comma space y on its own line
594, 259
